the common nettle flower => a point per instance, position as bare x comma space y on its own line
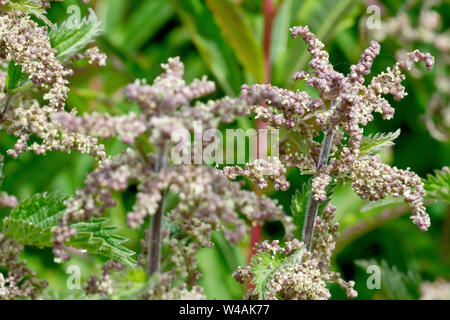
28, 45
345, 105
296, 272
428, 30
19, 282
25, 44
206, 199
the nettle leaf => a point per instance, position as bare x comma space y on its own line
374, 143
72, 36
30, 223
98, 238
299, 204
437, 186
33, 7
264, 265
394, 283
15, 76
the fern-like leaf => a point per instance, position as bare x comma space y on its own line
374, 143
31, 222
437, 186
72, 36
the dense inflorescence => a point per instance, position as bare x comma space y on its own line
296, 273
345, 105
206, 200
103, 285
428, 30
23, 43
20, 282
28, 45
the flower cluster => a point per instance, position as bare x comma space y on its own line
28, 45
104, 285
296, 273
27, 119
429, 30
206, 200
20, 282
345, 105
23, 43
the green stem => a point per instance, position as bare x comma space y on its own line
154, 253
313, 205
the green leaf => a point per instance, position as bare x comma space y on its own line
437, 186
239, 36
144, 22
30, 223
207, 38
299, 205
264, 265
32, 7
394, 283
15, 76
72, 36
374, 143
98, 238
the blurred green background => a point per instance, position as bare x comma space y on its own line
224, 40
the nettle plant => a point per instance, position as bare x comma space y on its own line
186, 203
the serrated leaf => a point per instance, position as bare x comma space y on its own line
396, 284
374, 143
73, 36
31, 222
437, 186
98, 238
15, 76
33, 7
299, 205
264, 265
239, 36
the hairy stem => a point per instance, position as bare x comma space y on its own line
313, 205
6, 104
154, 252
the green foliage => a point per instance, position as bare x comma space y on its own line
371, 144
98, 238
264, 265
211, 46
239, 36
72, 36
145, 21
299, 204
437, 186
31, 222
15, 76
32, 7
394, 283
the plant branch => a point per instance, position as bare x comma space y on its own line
313, 205
156, 223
